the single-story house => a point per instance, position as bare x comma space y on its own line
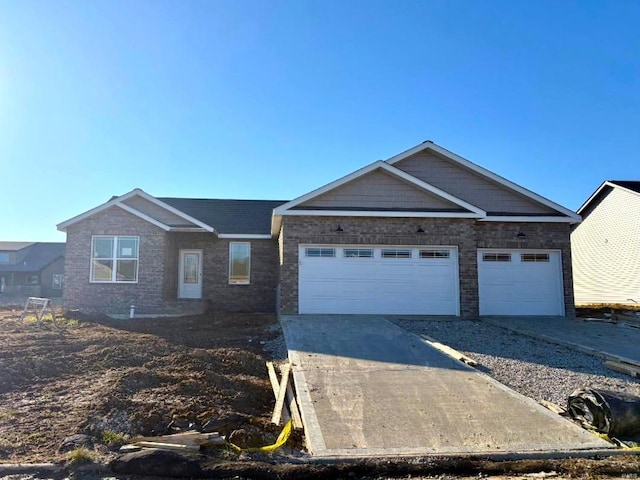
31, 269
606, 246
424, 232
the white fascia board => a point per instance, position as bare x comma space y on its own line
173, 210
328, 187
392, 171
63, 226
606, 183
527, 219
141, 215
189, 229
255, 236
483, 171
375, 213
276, 225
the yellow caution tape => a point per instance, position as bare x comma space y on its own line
280, 441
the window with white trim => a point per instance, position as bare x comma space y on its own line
496, 257
239, 263
358, 252
534, 257
434, 254
57, 281
114, 259
31, 279
4, 257
395, 253
320, 252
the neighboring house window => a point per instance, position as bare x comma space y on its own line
114, 259
239, 262
4, 257
58, 280
31, 279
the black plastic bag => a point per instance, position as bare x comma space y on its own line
614, 413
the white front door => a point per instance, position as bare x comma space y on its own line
190, 274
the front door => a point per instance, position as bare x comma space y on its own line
190, 274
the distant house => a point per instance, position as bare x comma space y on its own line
31, 269
424, 232
606, 246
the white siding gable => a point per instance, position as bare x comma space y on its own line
606, 251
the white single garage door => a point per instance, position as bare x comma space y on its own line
520, 282
374, 279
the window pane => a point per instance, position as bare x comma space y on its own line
358, 252
102, 270
127, 247
190, 267
434, 253
496, 257
4, 257
127, 271
57, 281
534, 257
239, 263
394, 253
102, 247
320, 252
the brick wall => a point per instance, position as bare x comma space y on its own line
146, 295
258, 296
467, 234
554, 236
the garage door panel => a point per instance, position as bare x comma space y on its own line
520, 287
379, 285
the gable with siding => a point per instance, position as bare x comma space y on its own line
379, 190
470, 186
606, 249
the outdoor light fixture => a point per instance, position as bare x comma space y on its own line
420, 230
521, 236
339, 229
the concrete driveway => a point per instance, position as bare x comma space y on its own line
596, 338
369, 388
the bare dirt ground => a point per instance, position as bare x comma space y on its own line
127, 377
112, 378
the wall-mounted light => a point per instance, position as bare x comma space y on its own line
420, 230
339, 229
521, 235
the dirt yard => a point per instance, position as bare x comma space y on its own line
108, 378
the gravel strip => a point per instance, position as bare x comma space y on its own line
532, 367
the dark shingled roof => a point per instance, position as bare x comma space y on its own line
630, 184
229, 216
40, 255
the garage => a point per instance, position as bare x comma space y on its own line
419, 280
520, 282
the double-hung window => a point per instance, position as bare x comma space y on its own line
239, 263
114, 259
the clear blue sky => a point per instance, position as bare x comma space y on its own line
271, 99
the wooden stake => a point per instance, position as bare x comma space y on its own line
282, 393
275, 385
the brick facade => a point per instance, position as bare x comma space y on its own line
157, 284
467, 234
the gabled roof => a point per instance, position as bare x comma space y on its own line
225, 218
629, 185
429, 145
229, 217
40, 255
14, 246
295, 207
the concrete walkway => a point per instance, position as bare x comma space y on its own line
369, 388
597, 338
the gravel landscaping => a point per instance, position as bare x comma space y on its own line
532, 367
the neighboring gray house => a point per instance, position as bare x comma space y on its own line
424, 232
606, 246
33, 269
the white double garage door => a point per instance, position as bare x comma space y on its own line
425, 280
